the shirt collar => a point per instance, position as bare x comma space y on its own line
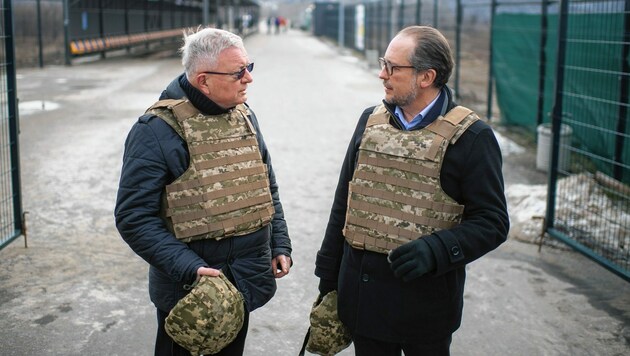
416, 119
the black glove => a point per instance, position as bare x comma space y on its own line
412, 260
326, 286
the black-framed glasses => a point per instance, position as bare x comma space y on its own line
238, 75
390, 67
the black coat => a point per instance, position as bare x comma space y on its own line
372, 301
155, 155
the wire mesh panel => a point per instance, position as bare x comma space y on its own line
10, 202
591, 152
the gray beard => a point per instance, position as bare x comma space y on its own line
407, 99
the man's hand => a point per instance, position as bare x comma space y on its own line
412, 260
206, 271
281, 265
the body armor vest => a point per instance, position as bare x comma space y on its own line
395, 194
225, 190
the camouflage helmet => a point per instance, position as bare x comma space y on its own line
208, 318
327, 334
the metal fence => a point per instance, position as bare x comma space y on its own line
589, 197
556, 66
369, 26
56, 31
10, 199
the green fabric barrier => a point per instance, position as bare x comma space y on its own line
591, 80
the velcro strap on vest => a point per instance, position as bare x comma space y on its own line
218, 210
222, 146
216, 178
227, 225
381, 227
446, 128
225, 161
423, 187
411, 201
400, 215
217, 193
361, 241
403, 166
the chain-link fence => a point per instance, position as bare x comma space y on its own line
589, 204
10, 198
557, 69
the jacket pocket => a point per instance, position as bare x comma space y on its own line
254, 278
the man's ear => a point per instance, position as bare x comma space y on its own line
200, 82
427, 78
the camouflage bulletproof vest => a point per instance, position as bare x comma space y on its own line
395, 194
225, 190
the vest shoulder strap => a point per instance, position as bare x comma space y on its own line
450, 125
182, 108
164, 109
449, 128
165, 103
378, 116
244, 111
457, 114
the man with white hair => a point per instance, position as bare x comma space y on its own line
197, 194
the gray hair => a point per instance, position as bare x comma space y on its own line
204, 46
432, 52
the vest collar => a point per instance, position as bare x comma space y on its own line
200, 101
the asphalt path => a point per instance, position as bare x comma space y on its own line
79, 290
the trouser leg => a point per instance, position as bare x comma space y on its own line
364, 346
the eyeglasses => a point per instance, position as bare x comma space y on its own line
390, 67
238, 75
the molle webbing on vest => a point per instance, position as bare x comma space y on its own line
400, 182
195, 183
407, 200
359, 241
400, 165
206, 148
395, 194
215, 194
225, 190
399, 215
228, 227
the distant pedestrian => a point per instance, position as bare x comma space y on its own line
420, 195
198, 195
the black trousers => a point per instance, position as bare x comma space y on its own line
370, 347
165, 346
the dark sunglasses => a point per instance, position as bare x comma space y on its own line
238, 75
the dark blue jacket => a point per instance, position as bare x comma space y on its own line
372, 302
155, 155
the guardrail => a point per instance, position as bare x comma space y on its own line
96, 45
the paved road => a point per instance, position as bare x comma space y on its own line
79, 290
